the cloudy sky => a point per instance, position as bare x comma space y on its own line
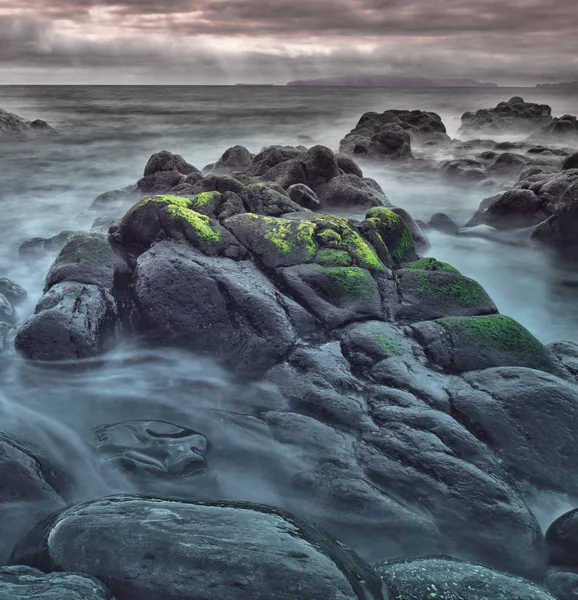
272, 41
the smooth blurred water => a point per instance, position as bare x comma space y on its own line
108, 133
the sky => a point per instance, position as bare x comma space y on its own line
509, 42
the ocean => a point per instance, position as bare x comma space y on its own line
107, 136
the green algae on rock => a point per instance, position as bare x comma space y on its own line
429, 264
461, 344
394, 232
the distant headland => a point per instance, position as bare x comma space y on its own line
561, 84
387, 81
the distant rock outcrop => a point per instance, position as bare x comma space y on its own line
12, 125
513, 116
562, 84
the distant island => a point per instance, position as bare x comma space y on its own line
561, 84
387, 81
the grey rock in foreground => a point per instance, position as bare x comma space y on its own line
169, 550
444, 578
26, 583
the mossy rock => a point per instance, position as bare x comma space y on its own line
326, 239
207, 203
394, 232
431, 294
156, 218
335, 295
460, 344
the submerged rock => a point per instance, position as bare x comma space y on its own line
169, 550
14, 127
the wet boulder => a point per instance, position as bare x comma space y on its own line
562, 540
72, 321
464, 170
561, 229
269, 199
304, 196
430, 290
33, 486
507, 165
25, 582
237, 158
214, 306
165, 161
350, 191
446, 578
15, 127
571, 162
169, 550
441, 222
516, 208
347, 165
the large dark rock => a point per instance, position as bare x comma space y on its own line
164, 161
349, 191
213, 306
237, 158
389, 135
513, 116
32, 486
571, 162
561, 229
25, 582
304, 196
464, 170
516, 208
168, 550
446, 578
116, 199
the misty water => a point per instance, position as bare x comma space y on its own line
108, 133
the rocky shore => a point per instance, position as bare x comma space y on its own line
428, 419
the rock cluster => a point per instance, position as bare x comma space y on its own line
513, 116
13, 127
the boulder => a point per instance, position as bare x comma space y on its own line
394, 232
304, 196
441, 222
562, 583
562, 540
170, 550
15, 127
40, 247
349, 191
72, 321
7, 312
237, 158
165, 161
446, 578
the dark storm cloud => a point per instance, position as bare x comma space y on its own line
275, 40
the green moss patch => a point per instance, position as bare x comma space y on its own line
497, 331
328, 257
394, 233
466, 292
430, 264
355, 283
